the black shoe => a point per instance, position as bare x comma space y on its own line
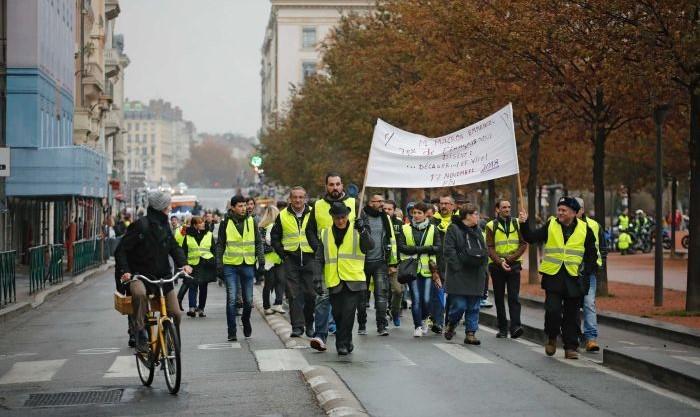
502, 334
297, 332
342, 351
449, 332
191, 313
382, 331
516, 332
132, 341
232, 336
201, 313
309, 330
436, 329
351, 347
247, 328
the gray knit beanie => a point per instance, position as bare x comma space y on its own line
158, 200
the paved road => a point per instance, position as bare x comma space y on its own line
77, 342
399, 375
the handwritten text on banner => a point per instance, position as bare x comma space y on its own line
480, 152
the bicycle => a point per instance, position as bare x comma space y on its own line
163, 340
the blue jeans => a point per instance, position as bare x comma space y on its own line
590, 323
420, 299
467, 305
232, 276
322, 314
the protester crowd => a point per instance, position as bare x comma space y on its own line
331, 260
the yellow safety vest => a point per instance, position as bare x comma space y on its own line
239, 248
293, 236
505, 245
324, 219
195, 251
394, 254
346, 262
179, 237
558, 253
595, 227
623, 222
271, 257
428, 239
624, 241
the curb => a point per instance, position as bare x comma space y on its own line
332, 394
641, 325
667, 378
48, 293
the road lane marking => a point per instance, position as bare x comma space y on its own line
624, 342
280, 360
123, 367
34, 371
692, 359
98, 351
402, 358
461, 353
220, 346
16, 355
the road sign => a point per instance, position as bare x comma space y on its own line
256, 161
4, 162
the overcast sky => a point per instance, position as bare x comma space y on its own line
201, 55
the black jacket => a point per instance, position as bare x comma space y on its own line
466, 259
388, 226
239, 223
562, 282
276, 237
145, 247
205, 271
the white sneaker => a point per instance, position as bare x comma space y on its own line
318, 344
418, 332
277, 308
486, 303
424, 329
269, 312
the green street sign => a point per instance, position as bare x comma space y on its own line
256, 161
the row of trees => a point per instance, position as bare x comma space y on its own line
584, 77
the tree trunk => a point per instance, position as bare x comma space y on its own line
599, 184
491, 203
533, 276
692, 300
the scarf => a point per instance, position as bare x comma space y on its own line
422, 225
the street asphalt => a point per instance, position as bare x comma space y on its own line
76, 342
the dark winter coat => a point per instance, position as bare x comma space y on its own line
466, 258
145, 247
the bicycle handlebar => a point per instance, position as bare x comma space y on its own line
159, 281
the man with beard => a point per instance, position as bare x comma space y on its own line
377, 260
322, 219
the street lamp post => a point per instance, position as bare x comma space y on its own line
659, 115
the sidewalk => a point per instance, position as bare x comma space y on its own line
656, 360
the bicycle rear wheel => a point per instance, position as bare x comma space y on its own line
171, 357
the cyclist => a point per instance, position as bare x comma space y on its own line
144, 249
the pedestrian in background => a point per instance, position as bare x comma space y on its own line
274, 276
199, 250
397, 289
467, 259
506, 247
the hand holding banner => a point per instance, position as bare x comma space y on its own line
483, 151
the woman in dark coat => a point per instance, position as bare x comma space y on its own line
198, 241
467, 258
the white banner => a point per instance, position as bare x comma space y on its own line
480, 152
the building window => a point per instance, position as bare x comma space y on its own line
138, 127
308, 69
308, 38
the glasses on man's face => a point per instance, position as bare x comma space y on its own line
377, 201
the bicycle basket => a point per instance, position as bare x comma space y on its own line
122, 303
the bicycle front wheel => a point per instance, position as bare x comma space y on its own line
171, 357
145, 368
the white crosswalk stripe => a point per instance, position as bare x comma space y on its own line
32, 371
461, 353
280, 360
123, 367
